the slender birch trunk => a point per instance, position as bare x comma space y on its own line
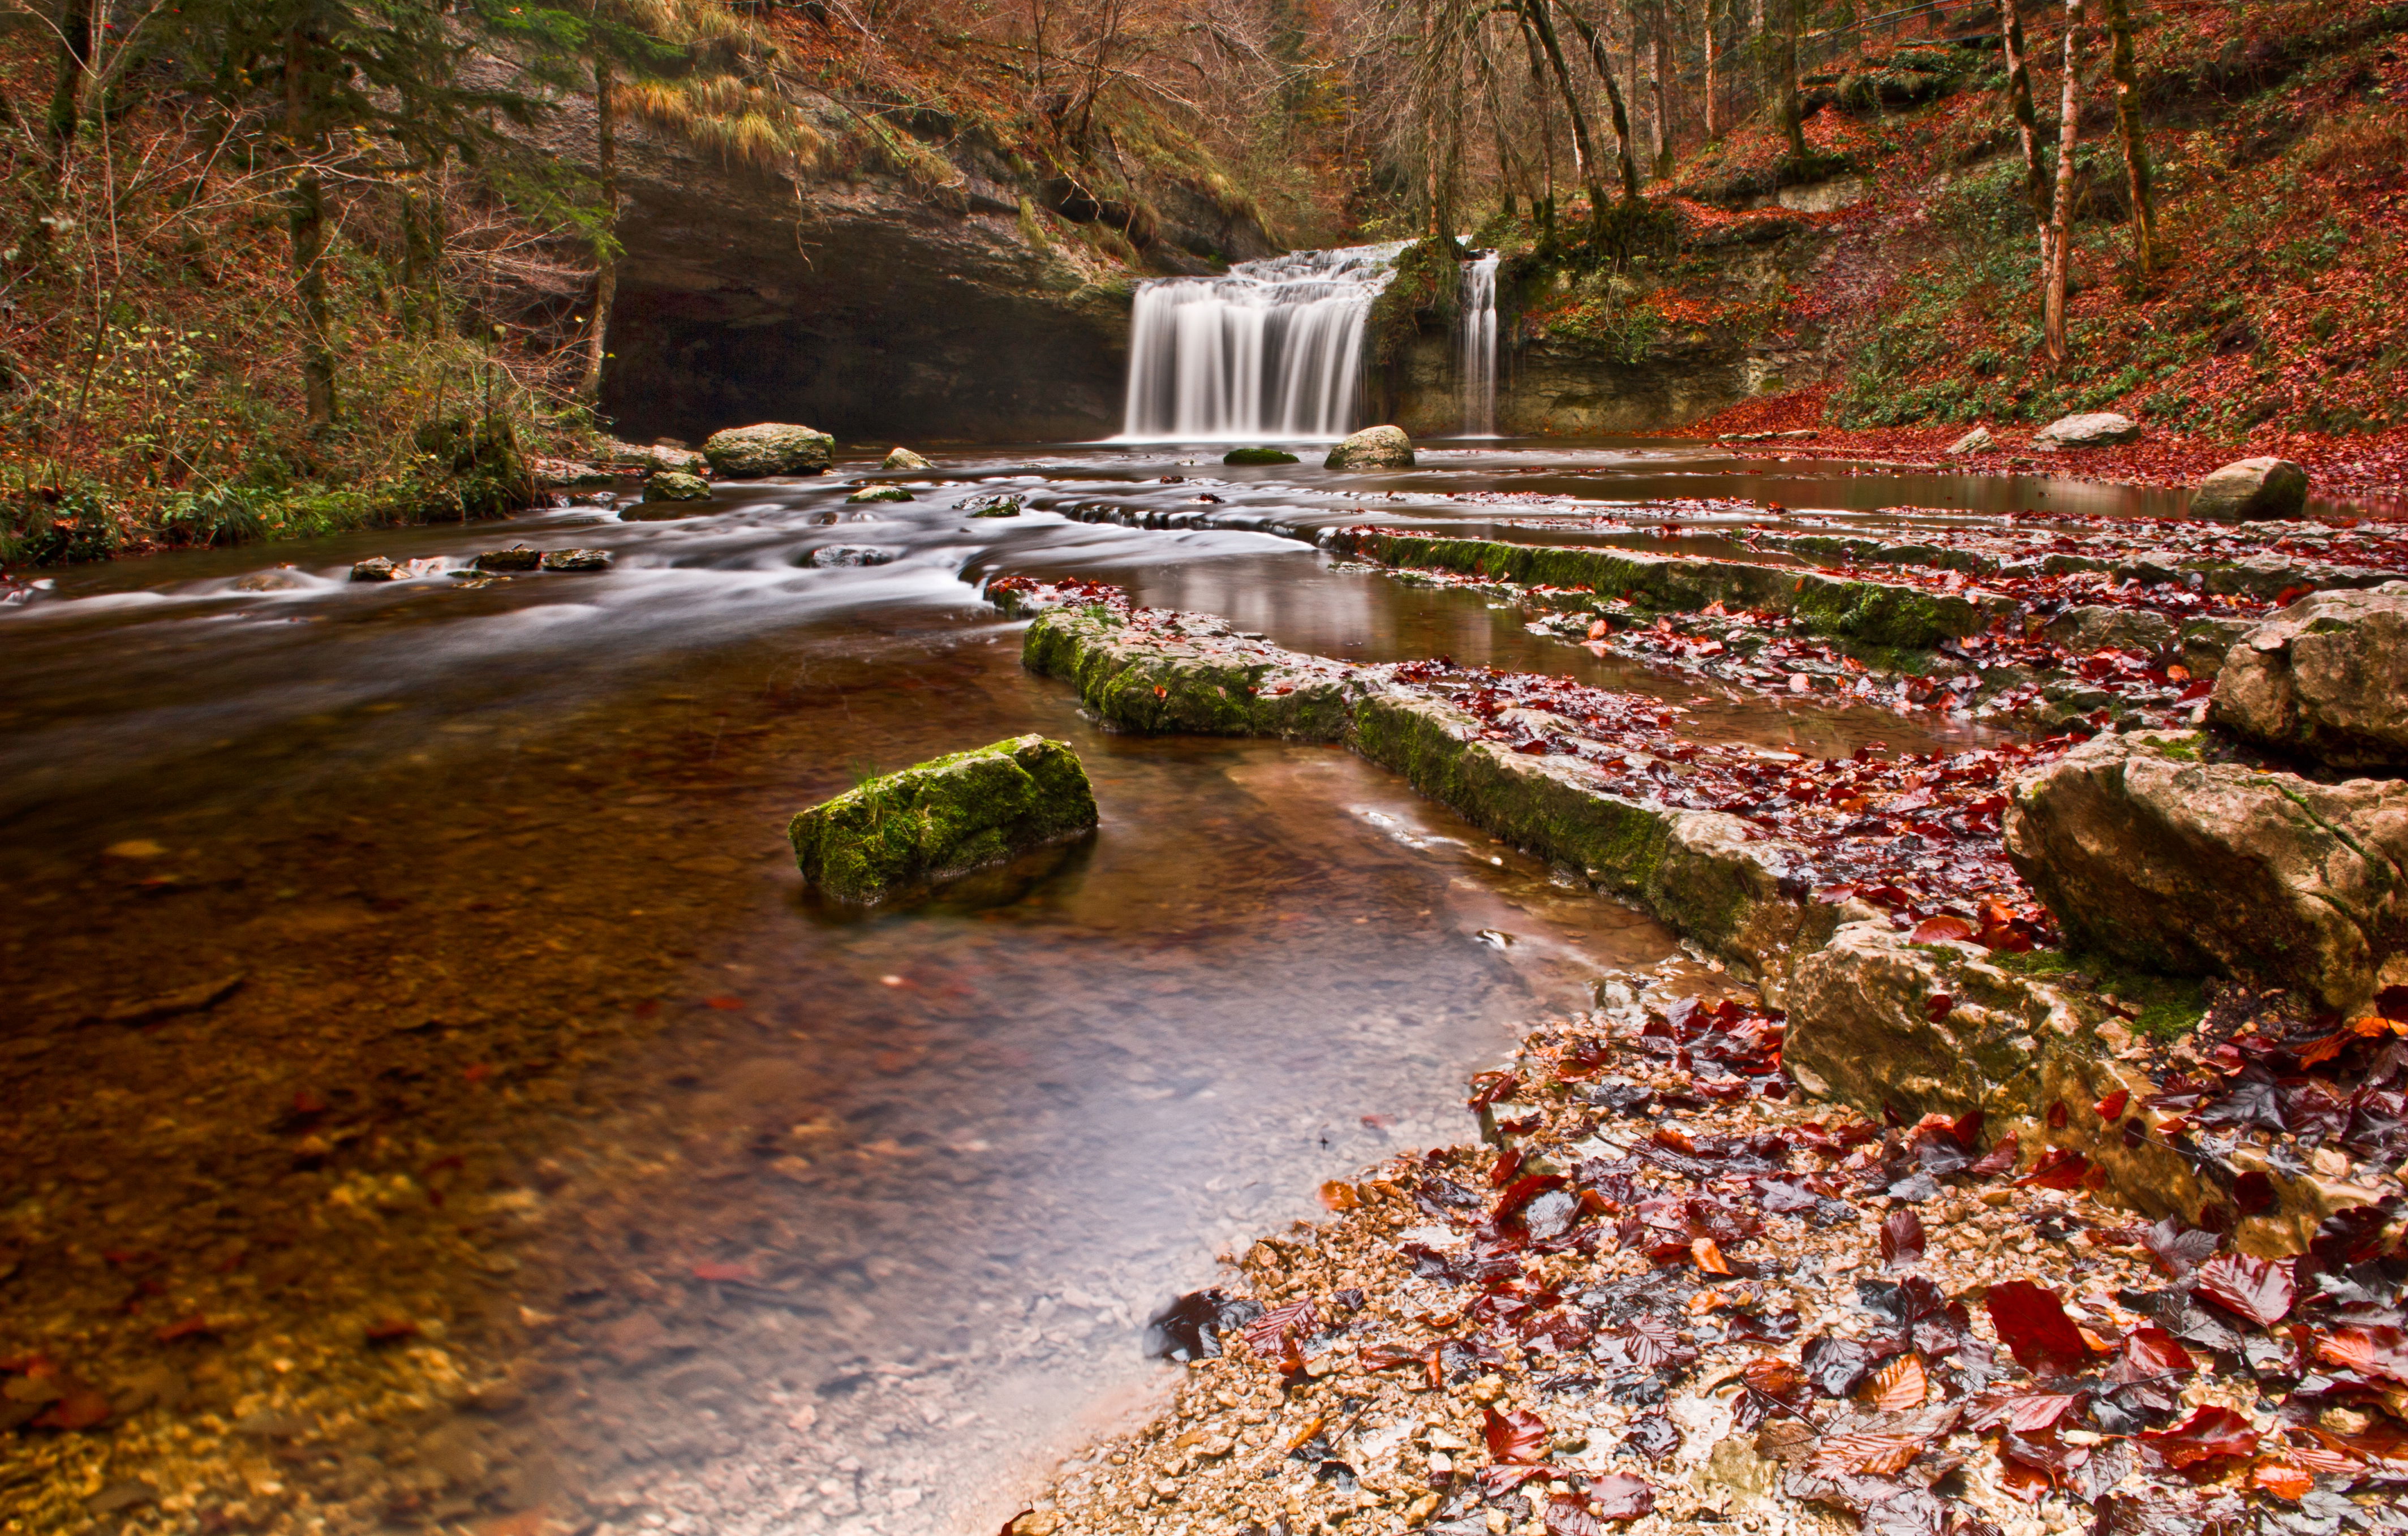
2061, 229
2135, 147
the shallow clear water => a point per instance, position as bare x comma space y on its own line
508, 861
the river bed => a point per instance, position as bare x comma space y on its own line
436, 1102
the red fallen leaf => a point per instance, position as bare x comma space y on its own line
307, 1103
742, 1273
1491, 1087
1899, 1384
2369, 1351
1998, 1159
2058, 1169
76, 1407
2024, 1412
1938, 1006
2031, 1322
2112, 1107
1902, 1238
1620, 1496
1776, 1378
1966, 1130
2254, 1193
1389, 1357
2147, 1353
1337, 1195
725, 1004
392, 1331
1497, 1482
2057, 1115
478, 1071
2311, 1052
1266, 1334
191, 1328
2284, 1478
2206, 1435
1865, 1454
1515, 1438
1709, 1256
1568, 1516
1933, 929
2253, 1288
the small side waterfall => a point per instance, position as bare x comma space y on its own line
1476, 345
1272, 350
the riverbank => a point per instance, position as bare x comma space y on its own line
2368, 471
1664, 1289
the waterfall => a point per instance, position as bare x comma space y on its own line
1272, 350
1476, 345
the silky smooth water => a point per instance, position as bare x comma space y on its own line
501, 870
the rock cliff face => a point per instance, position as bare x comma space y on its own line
871, 304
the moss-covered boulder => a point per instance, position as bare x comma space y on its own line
1257, 455
995, 506
672, 485
903, 458
905, 831
2326, 678
1373, 448
2250, 490
768, 448
878, 492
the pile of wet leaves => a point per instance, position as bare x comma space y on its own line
1662, 1291
1913, 833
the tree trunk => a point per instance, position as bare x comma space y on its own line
307, 217
606, 260
1783, 20
2060, 224
1599, 57
74, 65
1713, 57
1658, 64
2019, 102
1583, 149
2135, 147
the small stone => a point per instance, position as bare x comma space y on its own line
768, 448
1373, 448
995, 507
835, 555
1257, 455
676, 485
2250, 490
577, 559
1977, 441
517, 557
903, 458
878, 492
2088, 429
376, 567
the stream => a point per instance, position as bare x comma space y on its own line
527, 1067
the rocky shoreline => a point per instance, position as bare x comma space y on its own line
1554, 1310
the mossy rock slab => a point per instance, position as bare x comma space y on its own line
904, 832
768, 448
1258, 455
676, 485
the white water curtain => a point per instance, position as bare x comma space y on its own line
1476, 347
1273, 350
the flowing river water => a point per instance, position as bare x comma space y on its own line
433, 1099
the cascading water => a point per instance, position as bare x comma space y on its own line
1476, 345
1273, 348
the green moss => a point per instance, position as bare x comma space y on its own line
929, 823
2169, 1007
1257, 455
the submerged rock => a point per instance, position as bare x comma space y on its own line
835, 555
1977, 441
376, 567
2090, 429
995, 507
768, 448
903, 458
938, 820
878, 492
2149, 855
577, 559
2250, 490
676, 485
2327, 678
1373, 448
517, 557
1257, 455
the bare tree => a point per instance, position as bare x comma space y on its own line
2136, 149
2060, 225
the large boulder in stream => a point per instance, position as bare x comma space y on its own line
672, 485
2325, 679
2250, 490
905, 831
1373, 448
903, 458
2089, 429
768, 448
2150, 855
